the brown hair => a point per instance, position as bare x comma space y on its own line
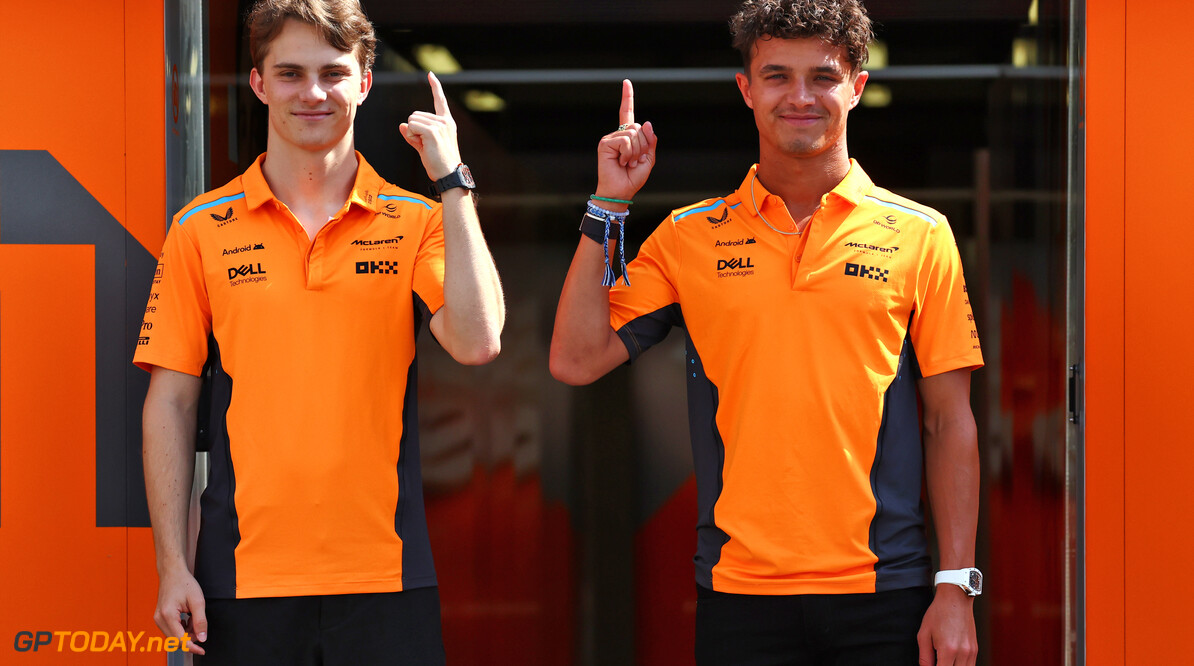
342, 23
841, 23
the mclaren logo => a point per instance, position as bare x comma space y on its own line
874, 248
371, 243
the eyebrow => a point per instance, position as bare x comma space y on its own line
322, 68
823, 69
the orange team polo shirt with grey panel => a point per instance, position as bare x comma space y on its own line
803, 356
315, 485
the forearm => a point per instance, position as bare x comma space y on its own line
474, 306
168, 455
583, 344
952, 474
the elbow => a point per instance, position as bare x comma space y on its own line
569, 371
481, 353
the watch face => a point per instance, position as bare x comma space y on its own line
976, 581
467, 177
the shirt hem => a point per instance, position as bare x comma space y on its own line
323, 589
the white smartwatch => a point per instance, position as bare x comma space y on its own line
970, 580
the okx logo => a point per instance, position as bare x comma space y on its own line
382, 267
870, 272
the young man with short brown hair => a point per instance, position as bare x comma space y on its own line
302, 285
817, 306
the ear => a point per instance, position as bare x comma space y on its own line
366, 86
743, 82
258, 86
859, 84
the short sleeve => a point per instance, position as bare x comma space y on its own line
428, 279
644, 311
178, 315
942, 328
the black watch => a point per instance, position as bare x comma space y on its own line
460, 177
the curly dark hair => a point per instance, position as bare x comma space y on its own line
842, 23
342, 23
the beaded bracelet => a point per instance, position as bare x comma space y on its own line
594, 197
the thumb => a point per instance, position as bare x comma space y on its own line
411, 138
925, 644
199, 619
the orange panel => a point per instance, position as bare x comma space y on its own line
74, 105
145, 218
144, 126
1157, 324
1104, 99
58, 572
103, 94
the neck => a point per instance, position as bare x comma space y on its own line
802, 181
311, 180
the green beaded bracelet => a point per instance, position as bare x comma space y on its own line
594, 197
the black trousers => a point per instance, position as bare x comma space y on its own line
348, 629
816, 629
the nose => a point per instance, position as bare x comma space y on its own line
800, 93
312, 92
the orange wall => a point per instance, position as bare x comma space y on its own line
92, 94
1139, 322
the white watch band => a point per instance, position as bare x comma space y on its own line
969, 579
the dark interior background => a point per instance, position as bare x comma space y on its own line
562, 519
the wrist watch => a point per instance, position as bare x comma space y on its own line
970, 580
460, 177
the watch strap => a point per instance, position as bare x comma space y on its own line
460, 177
969, 579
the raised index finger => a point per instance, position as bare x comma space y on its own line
437, 95
626, 112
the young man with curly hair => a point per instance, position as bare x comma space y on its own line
302, 284
819, 309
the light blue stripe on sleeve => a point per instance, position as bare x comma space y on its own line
904, 209
391, 197
203, 207
703, 209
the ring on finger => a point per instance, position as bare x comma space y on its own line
623, 126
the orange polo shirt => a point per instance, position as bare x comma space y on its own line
803, 356
315, 485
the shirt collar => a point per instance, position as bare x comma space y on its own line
364, 193
853, 188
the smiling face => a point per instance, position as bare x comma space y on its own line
311, 88
801, 91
